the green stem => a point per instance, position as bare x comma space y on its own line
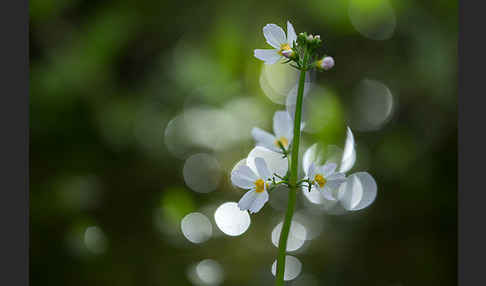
294, 167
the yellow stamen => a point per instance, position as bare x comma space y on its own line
283, 141
284, 47
320, 180
260, 186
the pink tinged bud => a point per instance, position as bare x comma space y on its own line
326, 63
287, 53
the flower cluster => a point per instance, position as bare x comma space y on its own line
272, 162
301, 50
327, 178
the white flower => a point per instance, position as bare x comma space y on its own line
325, 179
355, 192
345, 159
283, 129
257, 183
276, 38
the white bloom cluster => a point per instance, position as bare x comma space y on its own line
328, 179
267, 165
290, 47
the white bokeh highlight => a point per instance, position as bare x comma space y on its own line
297, 235
196, 227
207, 272
202, 173
231, 220
293, 267
373, 19
95, 240
372, 105
358, 191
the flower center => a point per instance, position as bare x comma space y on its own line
320, 180
260, 186
283, 141
284, 47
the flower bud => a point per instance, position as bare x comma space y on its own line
287, 53
326, 63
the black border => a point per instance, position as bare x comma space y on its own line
471, 144
14, 121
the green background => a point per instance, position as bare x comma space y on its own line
107, 76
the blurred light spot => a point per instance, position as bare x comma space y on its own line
95, 240
293, 267
312, 223
208, 272
374, 19
358, 192
196, 227
296, 238
248, 112
231, 220
277, 80
211, 128
175, 139
372, 105
291, 101
206, 128
202, 173
176, 202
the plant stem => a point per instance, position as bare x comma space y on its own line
294, 167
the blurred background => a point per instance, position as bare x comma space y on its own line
140, 109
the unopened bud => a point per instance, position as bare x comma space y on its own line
310, 37
326, 63
287, 53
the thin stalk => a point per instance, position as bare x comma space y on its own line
294, 167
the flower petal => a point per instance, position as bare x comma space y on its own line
269, 56
313, 154
282, 125
265, 139
311, 171
291, 35
327, 193
259, 202
275, 35
349, 154
243, 177
358, 192
275, 161
328, 169
247, 200
262, 169
336, 176
314, 196
334, 184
